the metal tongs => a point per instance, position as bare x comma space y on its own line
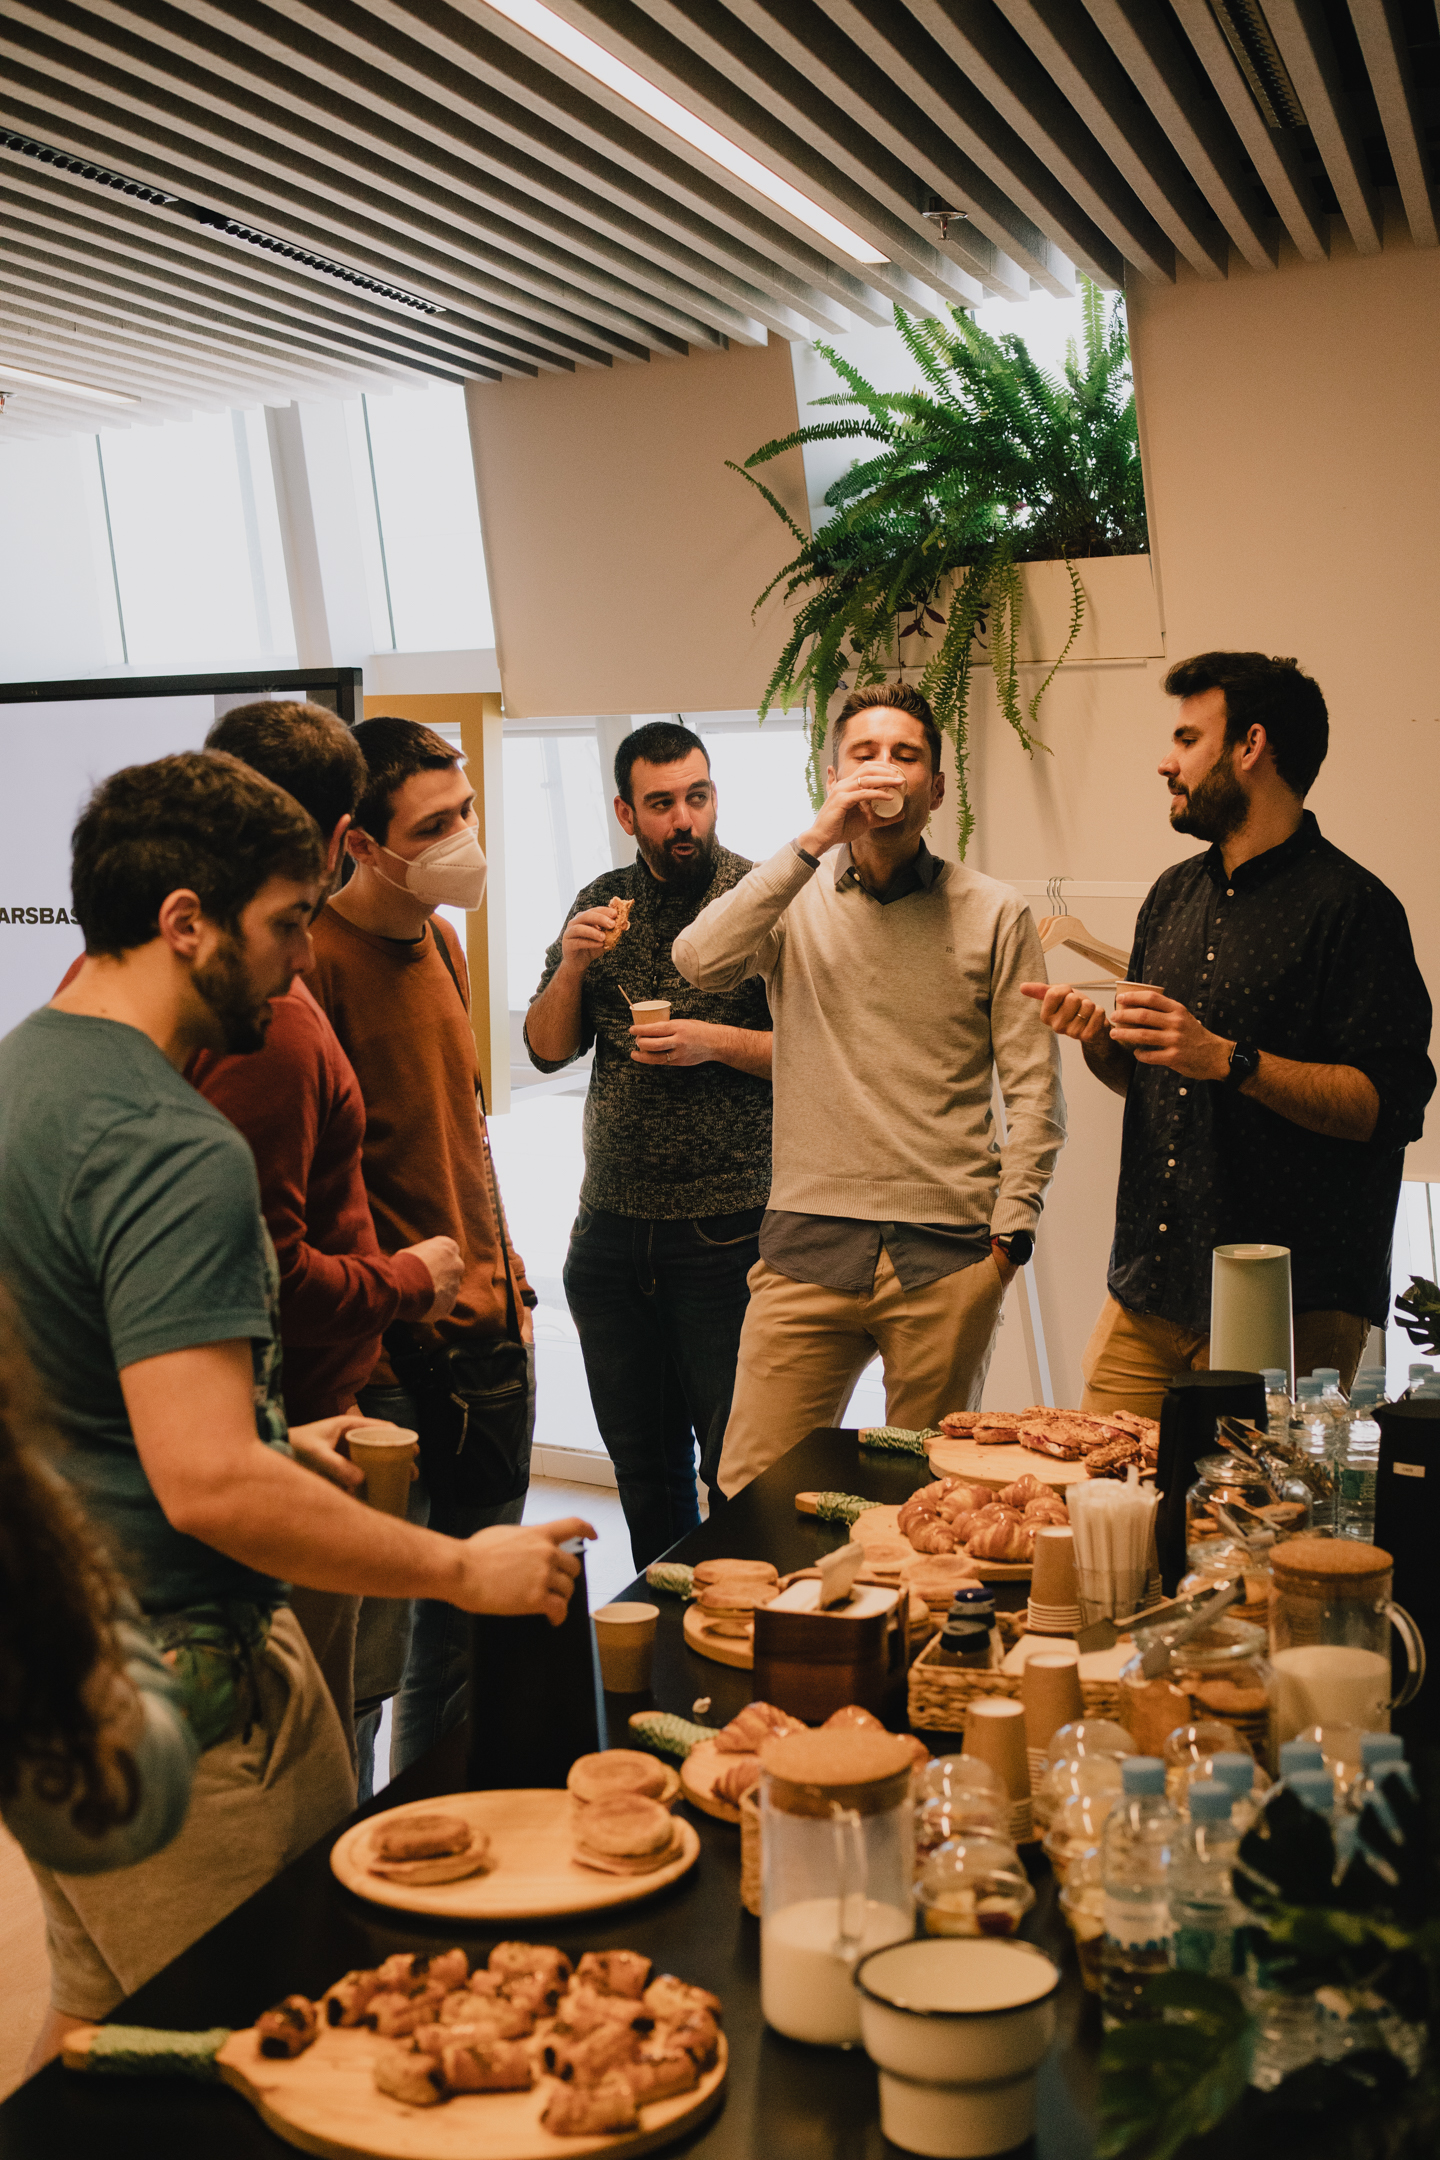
1166, 1625
1279, 1465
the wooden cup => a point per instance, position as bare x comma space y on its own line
386, 1453
625, 1638
995, 1733
1053, 1582
1050, 1694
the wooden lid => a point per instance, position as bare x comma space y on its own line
1342, 1566
813, 1773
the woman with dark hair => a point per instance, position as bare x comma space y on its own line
96, 1756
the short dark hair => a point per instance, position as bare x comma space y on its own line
394, 751
200, 821
301, 747
1260, 692
891, 697
659, 742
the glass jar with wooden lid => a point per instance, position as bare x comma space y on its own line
1331, 1614
1221, 1672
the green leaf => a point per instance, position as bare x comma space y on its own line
1177, 2072
989, 462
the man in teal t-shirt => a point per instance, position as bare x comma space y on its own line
132, 1243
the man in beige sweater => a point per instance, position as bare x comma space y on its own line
896, 1216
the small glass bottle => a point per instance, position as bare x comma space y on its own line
1139, 1841
1357, 1465
1237, 1773
1278, 1405
1202, 1903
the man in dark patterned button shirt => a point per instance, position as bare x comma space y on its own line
1274, 1065
677, 1141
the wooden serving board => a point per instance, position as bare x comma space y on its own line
698, 1773
999, 1466
881, 1522
533, 1876
326, 2102
735, 1650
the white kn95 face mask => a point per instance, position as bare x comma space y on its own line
449, 873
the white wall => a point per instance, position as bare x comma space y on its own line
57, 613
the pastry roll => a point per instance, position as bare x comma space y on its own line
591, 2110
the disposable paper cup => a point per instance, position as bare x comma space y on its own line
385, 1453
649, 1012
1050, 1694
1052, 1583
625, 1637
995, 1734
888, 806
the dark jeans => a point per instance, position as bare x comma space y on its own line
658, 1307
417, 1650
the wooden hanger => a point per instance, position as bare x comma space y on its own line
1067, 929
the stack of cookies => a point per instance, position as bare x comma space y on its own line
621, 1819
728, 1591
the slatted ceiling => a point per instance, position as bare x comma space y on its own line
1274, 152
436, 146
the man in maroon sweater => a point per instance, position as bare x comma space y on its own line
298, 1104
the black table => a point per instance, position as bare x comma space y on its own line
303, 1930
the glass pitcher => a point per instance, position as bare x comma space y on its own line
1330, 1619
837, 1874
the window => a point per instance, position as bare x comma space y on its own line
422, 482
556, 840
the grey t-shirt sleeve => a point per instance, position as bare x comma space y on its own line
174, 1235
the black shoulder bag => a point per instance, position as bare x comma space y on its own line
474, 1397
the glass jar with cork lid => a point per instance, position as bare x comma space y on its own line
837, 1873
1221, 1672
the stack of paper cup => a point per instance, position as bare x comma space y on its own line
386, 1453
1054, 1596
1050, 1697
995, 1734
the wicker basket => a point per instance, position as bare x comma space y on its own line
750, 1851
940, 1695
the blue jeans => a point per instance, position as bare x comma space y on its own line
658, 1307
417, 1650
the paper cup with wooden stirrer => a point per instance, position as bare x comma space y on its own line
386, 1453
650, 1012
995, 1734
1050, 1697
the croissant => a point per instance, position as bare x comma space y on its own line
962, 1500
933, 1536
1047, 1510
756, 1723
735, 1781
912, 1514
962, 1524
1027, 1487
1009, 1539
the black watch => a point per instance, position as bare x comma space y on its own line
1244, 1064
1018, 1246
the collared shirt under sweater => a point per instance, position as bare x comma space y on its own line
665, 1143
1303, 953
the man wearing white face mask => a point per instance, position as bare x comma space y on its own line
391, 975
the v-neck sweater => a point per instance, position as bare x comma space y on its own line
891, 1024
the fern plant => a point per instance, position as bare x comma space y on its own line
993, 463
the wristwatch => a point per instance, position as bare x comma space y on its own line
1244, 1064
1017, 1246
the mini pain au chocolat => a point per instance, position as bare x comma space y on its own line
622, 923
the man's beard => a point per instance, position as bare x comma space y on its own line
225, 986
1217, 808
688, 873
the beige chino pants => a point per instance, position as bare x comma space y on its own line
803, 1348
1131, 1358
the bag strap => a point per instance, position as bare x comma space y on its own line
512, 1324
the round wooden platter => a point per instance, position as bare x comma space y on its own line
997, 1466
698, 1773
533, 1873
882, 1522
735, 1650
326, 2102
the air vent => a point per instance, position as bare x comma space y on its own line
218, 220
1249, 37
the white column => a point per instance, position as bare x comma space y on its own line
320, 524
610, 731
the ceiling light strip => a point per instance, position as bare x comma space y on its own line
572, 44
9, 374
217, 221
